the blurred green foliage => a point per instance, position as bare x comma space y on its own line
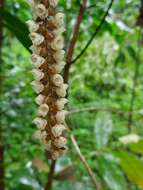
102, 78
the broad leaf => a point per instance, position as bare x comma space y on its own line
103, 129
17, 27
137, 147
132, 166
111, 174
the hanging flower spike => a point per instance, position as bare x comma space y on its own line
46, 30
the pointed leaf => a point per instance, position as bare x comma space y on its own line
17, 27
132, 166
103, 129
137, 147
111, 174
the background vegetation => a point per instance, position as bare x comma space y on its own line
105, 96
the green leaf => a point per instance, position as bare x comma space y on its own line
120, 58
132, 166
136, 147
103, 129
132, 53
17, 27
111, 174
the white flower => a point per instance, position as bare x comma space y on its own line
58, 43
60, 142
37, 86
59, 19
55, 155
43, 135
59, 66
131, 138
36, 1
32, 25
48, 145
61, 103
36, 38
60, 116
57, 80
63, 150
38, 74
40, 99
57, 130
35, 49
59, 31
59, 55
53, 3
43, 110
33, 4
37, 134
37, 60
41, 123
41, 11
61, 91
40, 134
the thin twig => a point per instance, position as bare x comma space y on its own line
94, 34
72, 43
96, 109
82, 158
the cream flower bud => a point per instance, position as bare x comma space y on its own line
60, 142
61, 91
41, 11
57, 80
37, 86
37, 135
61, 103
59, 67
58, 43
36, 1
35, 49
48, 145
59, 31
36, 38
40, 123
40, 99
43, 110
55, 155
33, 4
59, 55
53, 3
37, 60
60, 116
33, 26
43, 135
38, 74
40, 134
59, 19
63, 150
57, 130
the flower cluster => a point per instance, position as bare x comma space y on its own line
46, 30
